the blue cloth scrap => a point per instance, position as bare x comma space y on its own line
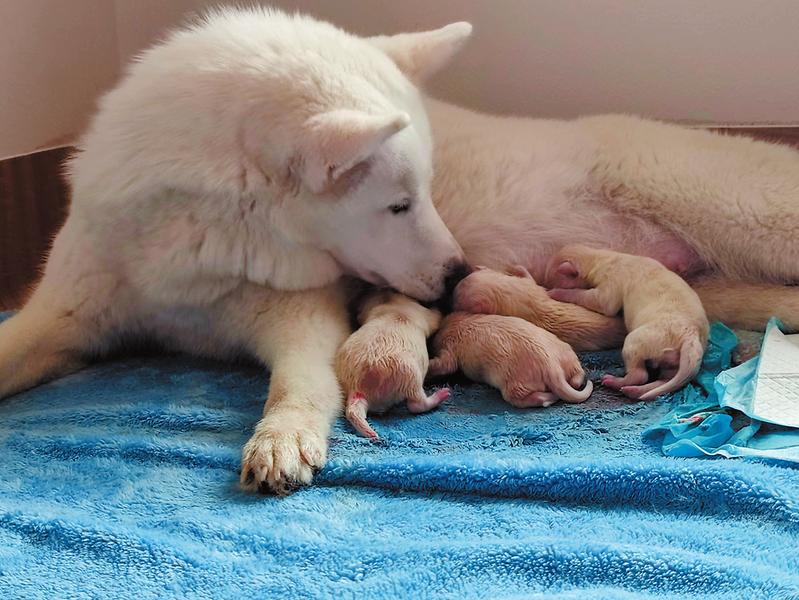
120, 481
710, 419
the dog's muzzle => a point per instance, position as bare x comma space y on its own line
455, 272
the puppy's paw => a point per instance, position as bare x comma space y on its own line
612, 382
280, 457
535, 400
579, 296
560, 294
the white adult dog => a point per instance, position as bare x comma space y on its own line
254, 158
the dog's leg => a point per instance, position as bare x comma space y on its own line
535, 400
443, 364
66, 321
421, 403
592, 299
356, 411
634, 363
733, 199
37, 345
297, 334
748, 305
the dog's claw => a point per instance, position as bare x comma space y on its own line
279, 460
247, 477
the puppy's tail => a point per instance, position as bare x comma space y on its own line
691, 353
567, 393
356, 409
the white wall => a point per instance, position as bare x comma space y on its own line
719, 61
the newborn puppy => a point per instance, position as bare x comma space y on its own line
385, 361
664, 316
530, 366
518, 295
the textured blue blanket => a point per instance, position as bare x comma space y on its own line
120, 482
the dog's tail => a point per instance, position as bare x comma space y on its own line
748, 305
691, 353
567, 393
356, 409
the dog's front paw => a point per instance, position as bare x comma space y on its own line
279, 457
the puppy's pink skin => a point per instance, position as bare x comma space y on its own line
430, 402
356, 409
667, 323
530, 366
384, 362
516, 294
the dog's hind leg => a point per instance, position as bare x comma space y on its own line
634, 362
444, 364
748, 305
67, 320
421, 403
37, 345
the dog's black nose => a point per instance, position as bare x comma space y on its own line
455, 273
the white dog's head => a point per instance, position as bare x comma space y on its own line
308, 144
367, 171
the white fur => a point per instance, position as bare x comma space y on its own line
255, 153
218, 154
513, 190
249, 152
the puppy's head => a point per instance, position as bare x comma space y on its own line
570, 267
405, 310
486, 291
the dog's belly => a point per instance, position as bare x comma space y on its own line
196, 330
513, 191
528, 231
525, 243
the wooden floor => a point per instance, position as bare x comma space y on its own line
34, 201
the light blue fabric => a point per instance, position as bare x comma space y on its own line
120, 482
714, 419
736, 387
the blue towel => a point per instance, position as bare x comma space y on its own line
120, 481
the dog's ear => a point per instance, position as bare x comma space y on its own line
339, 140
420, 55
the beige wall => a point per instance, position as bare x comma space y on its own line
721, 61
55, 58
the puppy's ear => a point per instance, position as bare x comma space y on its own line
339, 140
420, 55
519, 271
568, 269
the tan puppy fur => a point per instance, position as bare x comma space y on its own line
664, 316
385, 361
516, 294
530, 366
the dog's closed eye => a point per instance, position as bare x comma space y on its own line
400, 207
